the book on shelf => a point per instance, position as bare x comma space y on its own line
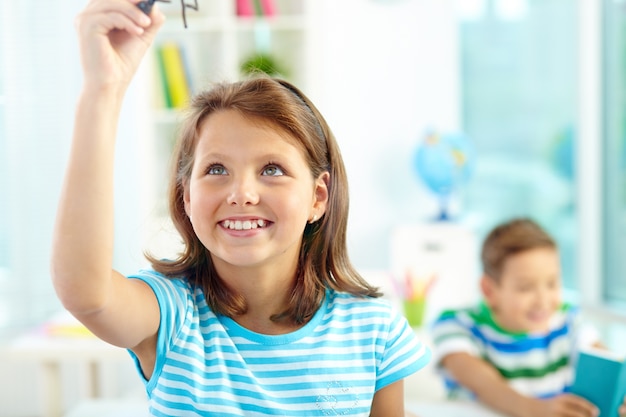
248, 8
64, 325
600, 377
244, 8
268, 7
163, 99
174, 74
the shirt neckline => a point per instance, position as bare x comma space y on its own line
234, 329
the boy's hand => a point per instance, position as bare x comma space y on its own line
622, 408
565, 405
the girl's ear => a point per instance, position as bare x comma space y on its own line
320, 200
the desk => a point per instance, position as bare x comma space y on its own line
51, 350
139, 408
109, 408
449, 409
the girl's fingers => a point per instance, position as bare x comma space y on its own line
126, 8
114, 36
121, 21
103, 23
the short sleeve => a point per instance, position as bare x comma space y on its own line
403, 355
452, 334
174, 297
585, 335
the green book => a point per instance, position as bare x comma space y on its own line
258, 8
163, 76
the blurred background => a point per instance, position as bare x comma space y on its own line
450, 114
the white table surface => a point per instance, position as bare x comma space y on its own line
111, 408
449, 409
42, 345
138, 408
50, 350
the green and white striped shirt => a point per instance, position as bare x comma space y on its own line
535, 364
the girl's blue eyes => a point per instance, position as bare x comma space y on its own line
269, 170
216, 170
272, 170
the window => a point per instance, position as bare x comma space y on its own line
519, 83
614, 130
40, 78
37, 96
4, 218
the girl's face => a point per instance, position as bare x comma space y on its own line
528, 292
251, 193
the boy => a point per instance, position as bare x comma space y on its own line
514, 351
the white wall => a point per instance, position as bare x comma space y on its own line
389, 71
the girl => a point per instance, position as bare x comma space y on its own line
262, 313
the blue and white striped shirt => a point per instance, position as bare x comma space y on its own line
208, 365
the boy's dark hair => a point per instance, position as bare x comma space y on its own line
510, 238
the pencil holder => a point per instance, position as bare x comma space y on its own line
414, 311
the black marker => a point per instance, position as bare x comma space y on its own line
146, 6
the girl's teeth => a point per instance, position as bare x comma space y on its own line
243, 225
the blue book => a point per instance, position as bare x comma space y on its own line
601, 379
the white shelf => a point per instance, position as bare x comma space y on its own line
195, 25
275, 24
166, 116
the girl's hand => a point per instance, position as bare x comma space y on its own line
565, 405
114, 36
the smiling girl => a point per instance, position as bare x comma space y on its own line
261, 313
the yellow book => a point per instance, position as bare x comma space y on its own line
175, 74
68, 330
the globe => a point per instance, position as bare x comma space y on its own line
444, 163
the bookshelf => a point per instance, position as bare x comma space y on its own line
217, 41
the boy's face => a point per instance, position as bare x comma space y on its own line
528, 292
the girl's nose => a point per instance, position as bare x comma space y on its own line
243, 192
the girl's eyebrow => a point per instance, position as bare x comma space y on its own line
218, 154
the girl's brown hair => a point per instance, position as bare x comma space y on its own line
323, 260
507, 239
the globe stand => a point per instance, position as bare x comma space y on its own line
443, 209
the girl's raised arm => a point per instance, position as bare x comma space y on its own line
114, 35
